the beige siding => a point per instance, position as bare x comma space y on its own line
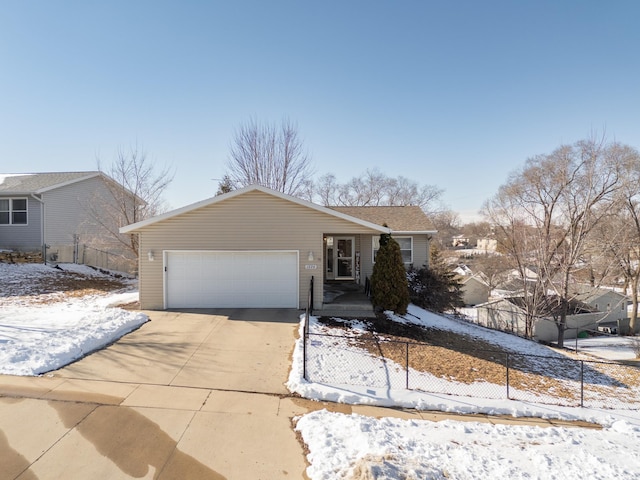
251, 221
366, 256
420, 251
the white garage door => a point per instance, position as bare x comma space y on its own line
206, 279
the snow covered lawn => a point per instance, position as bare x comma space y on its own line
41, 332
607, 347
356, 447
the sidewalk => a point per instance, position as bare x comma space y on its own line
63, 428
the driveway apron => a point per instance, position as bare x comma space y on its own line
232, 349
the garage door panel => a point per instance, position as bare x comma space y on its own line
231, 279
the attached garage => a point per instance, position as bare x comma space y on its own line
231, 279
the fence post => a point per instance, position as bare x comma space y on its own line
304, 345
407, 364
582, 383
507, 365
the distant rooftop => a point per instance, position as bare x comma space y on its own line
25, 183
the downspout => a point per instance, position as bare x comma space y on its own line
42, 242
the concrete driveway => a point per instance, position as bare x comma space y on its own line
190, 395
233, 349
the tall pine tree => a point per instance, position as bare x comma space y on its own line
389, 279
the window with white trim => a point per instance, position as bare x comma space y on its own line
406, 248
13, 211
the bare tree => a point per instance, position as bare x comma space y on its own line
447, 223
373, 188
325, 189
494, 269
269, 155
545, 213
135, 189
619, 236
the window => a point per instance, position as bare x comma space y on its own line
13, 211
406, 248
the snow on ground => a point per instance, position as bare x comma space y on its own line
606, 347
40, 333
357, 447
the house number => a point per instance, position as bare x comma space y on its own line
310, 267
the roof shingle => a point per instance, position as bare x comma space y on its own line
398, 219
25, 183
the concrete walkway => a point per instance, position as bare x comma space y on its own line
190, 395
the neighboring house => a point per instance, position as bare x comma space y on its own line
530, 273
614, 306
462, 270
508, 315
256, 247
61, 212
512, 287
487, 245
474, 290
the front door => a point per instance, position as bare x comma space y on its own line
344, 258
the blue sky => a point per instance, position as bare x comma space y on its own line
449, 93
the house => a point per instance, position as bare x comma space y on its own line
508, 315
463, 270
256, 247
487, 245
64, 215
613, 305
474, 289
473, 286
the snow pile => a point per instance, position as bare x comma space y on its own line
38, 336
358, 447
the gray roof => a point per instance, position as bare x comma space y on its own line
27, 183
398, 219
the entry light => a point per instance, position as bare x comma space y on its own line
151, 257
310, 256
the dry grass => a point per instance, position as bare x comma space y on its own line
61, 285
466, 359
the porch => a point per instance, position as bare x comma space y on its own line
345, 299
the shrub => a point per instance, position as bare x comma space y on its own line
389, 279
436, 287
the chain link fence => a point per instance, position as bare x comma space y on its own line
88, 255
372, 361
